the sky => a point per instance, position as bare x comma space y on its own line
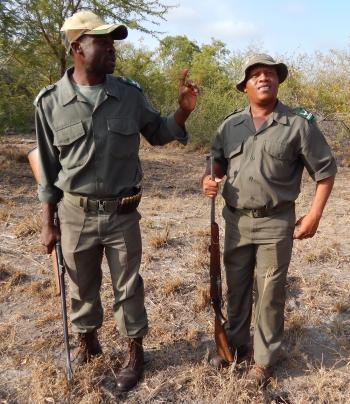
277, 27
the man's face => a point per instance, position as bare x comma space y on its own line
262, 84
98, 53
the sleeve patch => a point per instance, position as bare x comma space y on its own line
304, 114
130, 82
42, 92
236, 111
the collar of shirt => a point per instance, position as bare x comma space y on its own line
279, 114
67, 92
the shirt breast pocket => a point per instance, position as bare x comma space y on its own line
71, 142
234, 158
124, 137
279, 149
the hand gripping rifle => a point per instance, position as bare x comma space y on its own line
222, 345
59, 268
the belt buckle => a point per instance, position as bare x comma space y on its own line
101, 206
259, 212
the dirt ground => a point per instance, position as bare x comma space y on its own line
315, 367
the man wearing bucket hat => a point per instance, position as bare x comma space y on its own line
88, 126
262, 150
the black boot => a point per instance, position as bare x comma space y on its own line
132, 368
241, 354
88, 345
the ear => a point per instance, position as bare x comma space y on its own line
245, 90
76, 47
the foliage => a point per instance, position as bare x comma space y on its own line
32, 56
37, 23
31, 51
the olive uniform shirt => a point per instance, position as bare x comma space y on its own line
93, 151
264, 167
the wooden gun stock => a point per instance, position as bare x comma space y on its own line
33, 157
222, 345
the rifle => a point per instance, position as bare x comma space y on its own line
221, 341
59, 268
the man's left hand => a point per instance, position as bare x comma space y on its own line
306, 227
188, 92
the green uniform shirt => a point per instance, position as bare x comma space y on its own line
264, 167
93, 151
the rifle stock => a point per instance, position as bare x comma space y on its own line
222, 345
59, 268
33, 157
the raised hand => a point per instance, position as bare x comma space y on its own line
188, 92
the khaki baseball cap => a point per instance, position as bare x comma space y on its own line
262, 59
88, 23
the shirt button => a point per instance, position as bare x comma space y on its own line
252, 157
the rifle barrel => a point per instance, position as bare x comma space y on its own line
221, 341
61, 270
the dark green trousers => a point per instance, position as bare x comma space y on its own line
257, 251
86, 237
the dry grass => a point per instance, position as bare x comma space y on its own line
5, 271
201, 299
342, 306
47, 319
6, 331
5, 215
42, 289
175, 228
173, 286
160, 239
30, 225
200, 256
14, 154
323, 254
18, 278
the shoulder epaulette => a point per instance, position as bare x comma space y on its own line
304, 114
42, 92
130, 82
234, 112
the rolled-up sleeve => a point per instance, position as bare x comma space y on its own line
157, 129
317, 155
217, 150
48, 160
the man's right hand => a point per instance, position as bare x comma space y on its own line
210, 187
50, 234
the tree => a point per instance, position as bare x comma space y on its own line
31, 51
211, 69
25, 23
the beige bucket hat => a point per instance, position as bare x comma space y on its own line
261, 59
88, 23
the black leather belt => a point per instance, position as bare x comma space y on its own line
125, 204
263, 211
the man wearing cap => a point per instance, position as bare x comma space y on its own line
262, 150
88, 126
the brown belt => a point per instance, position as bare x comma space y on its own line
125, 204
263, 211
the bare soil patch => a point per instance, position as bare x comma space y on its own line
175, 228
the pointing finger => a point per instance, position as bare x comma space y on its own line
183, 75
